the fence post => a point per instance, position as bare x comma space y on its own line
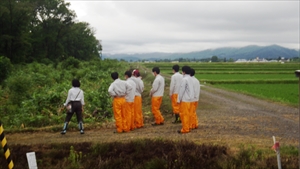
5, 147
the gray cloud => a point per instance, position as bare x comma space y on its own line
185, 26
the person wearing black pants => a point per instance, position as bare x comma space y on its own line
76, 99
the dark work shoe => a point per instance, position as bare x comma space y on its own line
161, 123
81, 132
176, 119
63, 132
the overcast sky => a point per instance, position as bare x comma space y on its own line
186, 26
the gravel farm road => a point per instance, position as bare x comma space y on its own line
225, 118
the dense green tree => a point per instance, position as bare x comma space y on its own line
51, 23
279, 58
81, 42
39, 30
230, 60
14, 30
214, 59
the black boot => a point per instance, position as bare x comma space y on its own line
64, 130
81, 128
176, 118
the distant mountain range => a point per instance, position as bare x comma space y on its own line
248, 52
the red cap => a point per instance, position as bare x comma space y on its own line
135, 72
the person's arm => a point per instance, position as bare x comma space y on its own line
198, 96
172, 85
181, 90
128, 88
141, 84
82, 98
111, 91
68, 98
155, 87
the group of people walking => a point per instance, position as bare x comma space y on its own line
127, 101
184, 93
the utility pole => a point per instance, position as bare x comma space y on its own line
297, 72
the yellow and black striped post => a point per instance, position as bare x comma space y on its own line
6, 150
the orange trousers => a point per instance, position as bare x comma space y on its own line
155, 106
185, 111
119, 114
129, 115
175, 105
138, 113
193, 115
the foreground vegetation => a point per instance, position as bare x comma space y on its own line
32, 95
150, 154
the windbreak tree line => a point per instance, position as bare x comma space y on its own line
43, 31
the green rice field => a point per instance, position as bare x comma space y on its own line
284, 93
272, 81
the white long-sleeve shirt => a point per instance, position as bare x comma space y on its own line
130, 96
196, 85
186, 91
119, 88
175, 83
158, 86
72, 93
139, 85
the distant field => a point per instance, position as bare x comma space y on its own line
284, 93
204, 77
273, 81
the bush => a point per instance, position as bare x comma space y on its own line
19, 86
33, 94
5, 68
70, 63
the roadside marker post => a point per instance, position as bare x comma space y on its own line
5, 147
31, 160
297, 73
276, 148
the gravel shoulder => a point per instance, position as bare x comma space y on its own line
225, 118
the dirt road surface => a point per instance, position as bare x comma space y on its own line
225, 118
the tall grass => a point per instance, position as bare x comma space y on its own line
150, 154
33, 94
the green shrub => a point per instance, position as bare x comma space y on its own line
19, 87
5, 68
33, 94
70, 63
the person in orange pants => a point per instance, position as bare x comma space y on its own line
194, 106
118, 90
156, 93
185, 98
129, 105
174, 89
138, 113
